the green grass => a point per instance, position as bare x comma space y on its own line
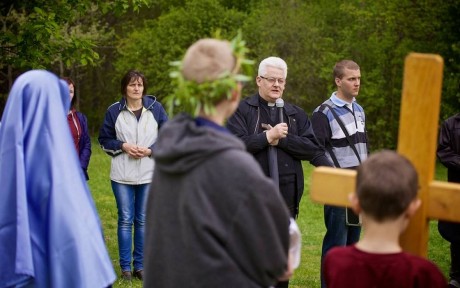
99, 183
310, 222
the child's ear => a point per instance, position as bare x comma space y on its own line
413, 206
354, 201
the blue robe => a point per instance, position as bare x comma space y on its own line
50, 232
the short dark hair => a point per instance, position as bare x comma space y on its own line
132, 75
339, 68
74, 99
386, 184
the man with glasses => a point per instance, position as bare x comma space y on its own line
289, 140
199, 231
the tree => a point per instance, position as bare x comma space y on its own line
39, 34
152, 47
95, 42
379, 35
287, 29
54, 34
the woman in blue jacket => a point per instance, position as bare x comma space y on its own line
128, 134
79, 128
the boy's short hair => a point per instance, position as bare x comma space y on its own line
207, 59
386, 184
339, 68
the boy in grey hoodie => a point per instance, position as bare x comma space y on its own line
213, 218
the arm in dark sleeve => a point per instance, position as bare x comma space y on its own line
108, 136
321, 128
85, 145
445, 151
239, 125
303, 145
161, 117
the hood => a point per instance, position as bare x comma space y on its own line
147, 101
182, 145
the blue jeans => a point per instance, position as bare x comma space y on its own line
338, 233
131, 203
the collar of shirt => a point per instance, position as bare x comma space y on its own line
265, 102
339, 102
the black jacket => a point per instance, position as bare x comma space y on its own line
449, 147
448, 153
300, 143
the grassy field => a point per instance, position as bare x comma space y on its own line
310, 222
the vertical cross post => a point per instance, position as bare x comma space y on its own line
417, 140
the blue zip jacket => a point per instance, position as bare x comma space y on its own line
121, 126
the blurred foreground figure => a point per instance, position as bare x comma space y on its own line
213, 218
50, 233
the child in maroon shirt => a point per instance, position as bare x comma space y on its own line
386, 197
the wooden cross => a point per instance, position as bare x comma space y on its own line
417, 141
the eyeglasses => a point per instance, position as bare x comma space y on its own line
272, 80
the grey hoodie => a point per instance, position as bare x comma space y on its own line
213, 218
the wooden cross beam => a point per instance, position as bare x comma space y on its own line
417, 140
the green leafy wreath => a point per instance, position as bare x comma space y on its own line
192, 97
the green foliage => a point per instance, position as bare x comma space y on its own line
79, 37
158, 42
287, 29
169, 5
41, 33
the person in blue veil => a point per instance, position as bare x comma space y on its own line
50, 232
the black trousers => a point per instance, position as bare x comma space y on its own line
451, 232
454, 272
284, 284
288, 189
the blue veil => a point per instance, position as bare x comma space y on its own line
50, 232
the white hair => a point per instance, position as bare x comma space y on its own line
272, 62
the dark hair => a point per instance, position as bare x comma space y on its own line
386, 184
132, 75
74, 98
339, 68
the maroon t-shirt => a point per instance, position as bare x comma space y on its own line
350, 267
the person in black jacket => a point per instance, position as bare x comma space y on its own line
213, 218
449, 154
257, 123
274, 144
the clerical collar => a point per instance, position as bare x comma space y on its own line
263, 101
